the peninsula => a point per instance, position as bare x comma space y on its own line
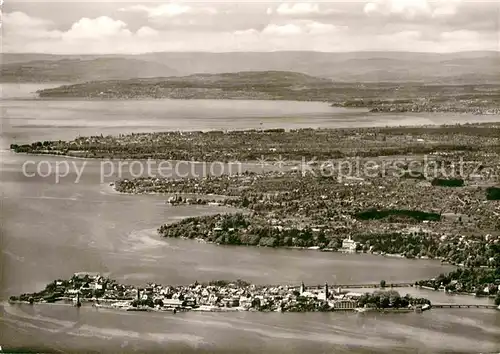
472, 141
293, 86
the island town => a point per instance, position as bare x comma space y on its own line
93, 288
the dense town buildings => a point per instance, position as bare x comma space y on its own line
214, 296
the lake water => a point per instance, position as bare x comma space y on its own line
51, 230
23, 120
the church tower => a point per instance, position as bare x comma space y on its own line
327, 293
78, 302
302, 288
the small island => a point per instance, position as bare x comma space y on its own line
219, 295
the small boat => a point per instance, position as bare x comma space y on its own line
361, 309
426, 307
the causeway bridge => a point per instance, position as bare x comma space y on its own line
464, 306
374, 285
354, 286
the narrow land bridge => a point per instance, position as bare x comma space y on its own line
461, 306
401, 285
354, 286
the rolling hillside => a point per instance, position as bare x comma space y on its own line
286, 85
248, 84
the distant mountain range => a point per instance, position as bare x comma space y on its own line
56, 69
432, 68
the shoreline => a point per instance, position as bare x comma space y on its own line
216, 295
291, 163
204, 310
312, 248
366, 109
112, 186
314, 89
116, 149
346, 287
276, 242
119, 306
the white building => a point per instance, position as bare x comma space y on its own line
175, 303
322, 296
349, 245
344, 305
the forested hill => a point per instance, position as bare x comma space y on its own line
286, 85
249, 85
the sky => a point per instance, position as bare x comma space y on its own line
96, 27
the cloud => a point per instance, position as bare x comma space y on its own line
146, 31
300, 9
23, 26
19, 24
97, 28
21, 20
407, 8
446, 9
411, 9
298, 27
168, 10
321, 28
23, 33
405, 36
416, 25
251, 31
288, 29
173, 16
465, 36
